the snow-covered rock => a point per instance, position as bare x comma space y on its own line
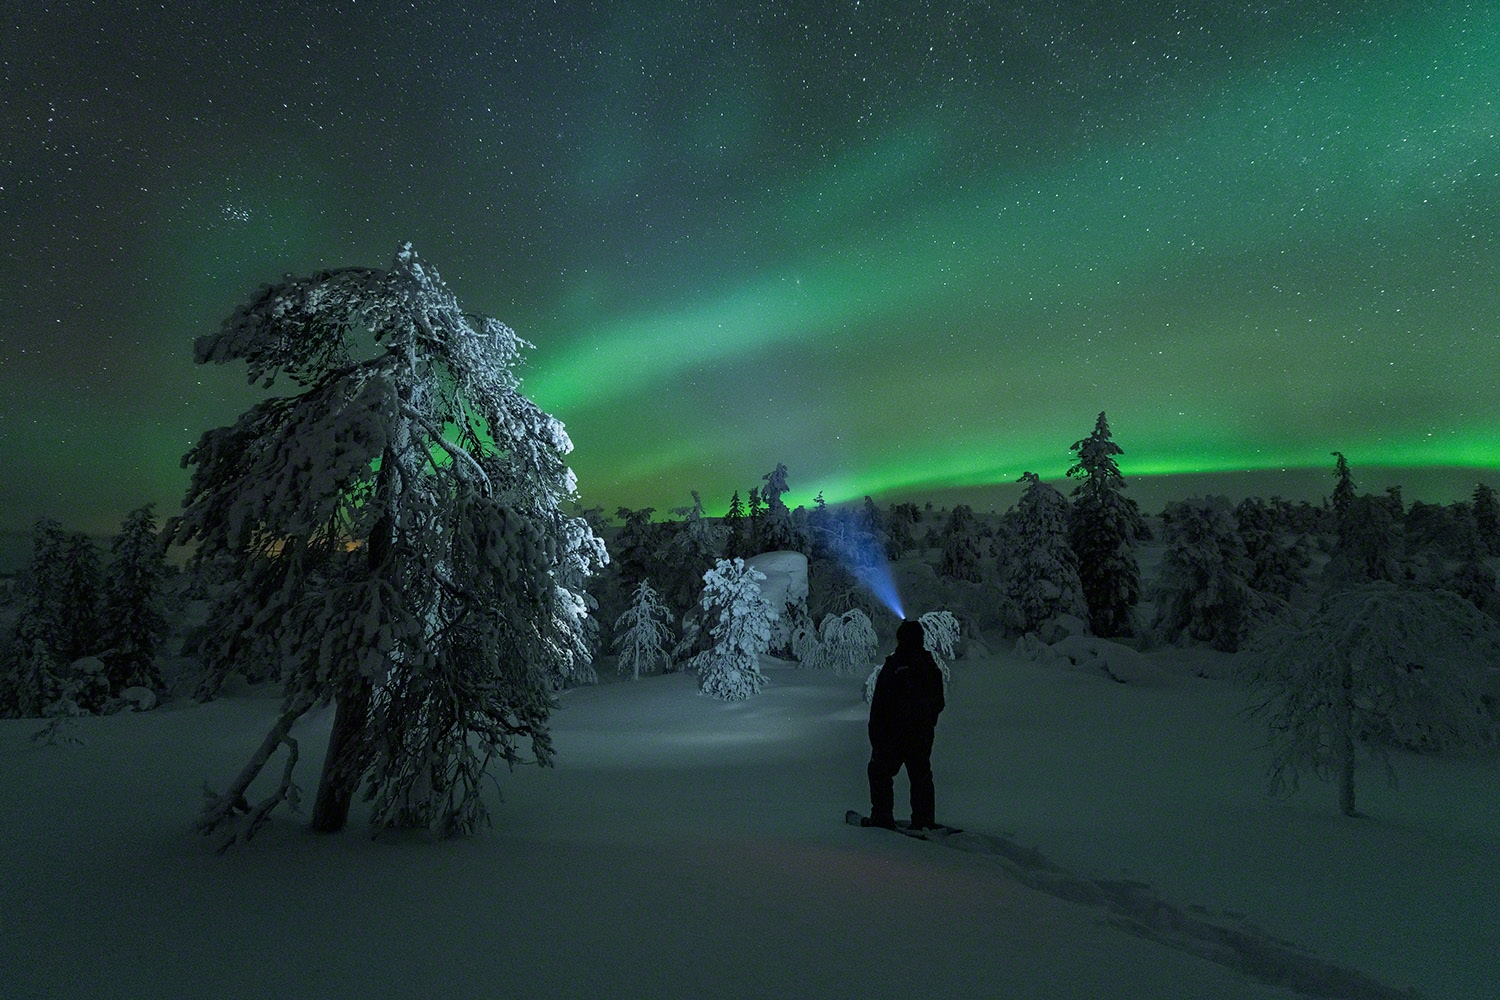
785, 586
1061, 627
140, 699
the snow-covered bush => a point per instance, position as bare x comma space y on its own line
845, 644
741, 622
1383, 663
940, 631
643, 634
1203, 591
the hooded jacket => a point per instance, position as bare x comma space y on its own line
908, 692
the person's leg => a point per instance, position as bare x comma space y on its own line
882, 772
919, 771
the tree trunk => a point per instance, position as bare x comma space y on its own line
341, 770
1345, 740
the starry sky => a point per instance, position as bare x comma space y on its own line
903, 248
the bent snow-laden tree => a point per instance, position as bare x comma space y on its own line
398, 543
1380, 662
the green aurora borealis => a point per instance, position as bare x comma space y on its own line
899, 249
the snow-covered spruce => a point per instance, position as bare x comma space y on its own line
33, 680
398, 543
961, 553
1103, 530
741, 631
1203, 591
643, 634
135, 622
1042, 580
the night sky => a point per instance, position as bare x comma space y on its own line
900, 247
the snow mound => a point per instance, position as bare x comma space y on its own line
139, 699
1092, 655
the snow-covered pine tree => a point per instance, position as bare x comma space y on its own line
81, 596
33, 683
1369, 543
734, 526
1277, 567
1343, 491
643, 634
1204, 591
1042, 579
961, 545
872, 522
1486, 511
399, 538
844, 644
693, 546
1381, 662
135, 620
899, 522
1103, 529
755, 514
777, 530
741, 629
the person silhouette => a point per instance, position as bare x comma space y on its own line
903, 721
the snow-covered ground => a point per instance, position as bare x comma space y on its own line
685, 847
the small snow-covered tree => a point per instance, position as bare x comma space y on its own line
1380, 662
400, 547
845, 644
643, 634
135, 621
1203, 591
1103, 529
1042, 577
740, 628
